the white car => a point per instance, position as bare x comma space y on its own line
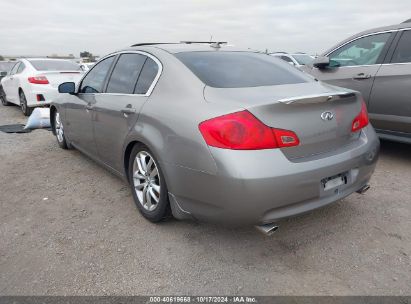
297, 59
34, 82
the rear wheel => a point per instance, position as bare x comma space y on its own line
23, 104
59, 131
148, 184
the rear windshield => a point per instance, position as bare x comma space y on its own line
55, 65
240, 69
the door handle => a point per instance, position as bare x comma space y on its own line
362, 76
128, 111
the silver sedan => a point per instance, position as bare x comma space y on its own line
214, 133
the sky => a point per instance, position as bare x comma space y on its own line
45, 27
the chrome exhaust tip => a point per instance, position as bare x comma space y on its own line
364, 189
267, 229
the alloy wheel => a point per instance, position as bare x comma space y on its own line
23, 102
146, 180
59, 128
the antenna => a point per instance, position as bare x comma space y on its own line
213, 44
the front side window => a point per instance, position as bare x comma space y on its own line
403, 52
363, 51
303, 59
125, 74
94, 80
240, 69
147, 76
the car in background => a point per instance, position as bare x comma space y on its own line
33, 82
377, 63
5, 67
218, 133
297, 59
85, 66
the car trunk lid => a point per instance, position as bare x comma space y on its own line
320, 115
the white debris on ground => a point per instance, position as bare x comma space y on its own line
39, 119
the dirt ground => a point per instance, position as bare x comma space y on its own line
69, 227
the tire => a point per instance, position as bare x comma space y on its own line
23, 104
3, 99
148, 185
59, 131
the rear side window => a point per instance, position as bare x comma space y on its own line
21, 68
14, 69
125, 74
285, 58
147, 76
55, 65
239, 69
403, 52
94, 80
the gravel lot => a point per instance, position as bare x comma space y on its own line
69, 227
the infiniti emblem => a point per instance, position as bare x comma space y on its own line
327, 115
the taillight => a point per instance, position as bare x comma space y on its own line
243, 131
38, 80
361, 120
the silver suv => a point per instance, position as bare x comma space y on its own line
378, 64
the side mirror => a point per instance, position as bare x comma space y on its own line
3, 73
321, 62
67, 87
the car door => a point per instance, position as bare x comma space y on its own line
354, 64
116, 111
9, 85
79, 107
390, 101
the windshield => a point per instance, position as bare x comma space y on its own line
240, 69
55, 65
6, 66
303, 59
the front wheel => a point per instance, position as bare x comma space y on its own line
59, 131
148, 184
23, 104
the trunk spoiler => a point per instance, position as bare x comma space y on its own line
317, 97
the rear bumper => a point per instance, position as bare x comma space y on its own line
264, 186
48, 93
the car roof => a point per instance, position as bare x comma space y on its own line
372, 31
45, 58
175, 48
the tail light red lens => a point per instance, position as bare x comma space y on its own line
38, 80
243, 131
361, 120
